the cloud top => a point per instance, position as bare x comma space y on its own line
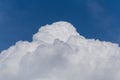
59, 52
59, 30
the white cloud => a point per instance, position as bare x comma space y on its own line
58, 52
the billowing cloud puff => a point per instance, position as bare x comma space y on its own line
58, 52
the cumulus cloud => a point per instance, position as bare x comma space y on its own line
59, 52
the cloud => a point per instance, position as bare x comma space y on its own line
58, 52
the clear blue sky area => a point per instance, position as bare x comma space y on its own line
20, 19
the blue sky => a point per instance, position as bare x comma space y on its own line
20, 19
